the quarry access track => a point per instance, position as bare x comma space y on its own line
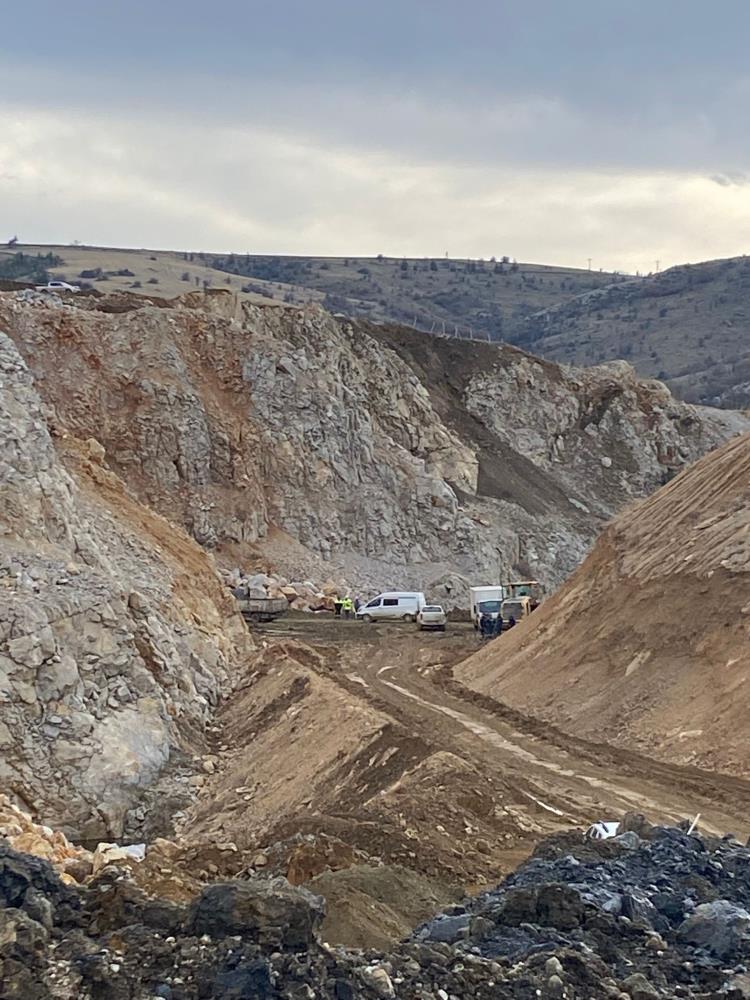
563, 780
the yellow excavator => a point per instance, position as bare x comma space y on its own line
524, 596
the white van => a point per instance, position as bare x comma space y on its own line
393, 606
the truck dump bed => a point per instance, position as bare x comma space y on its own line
260, 609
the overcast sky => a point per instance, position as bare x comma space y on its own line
549, 131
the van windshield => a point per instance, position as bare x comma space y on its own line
489, 607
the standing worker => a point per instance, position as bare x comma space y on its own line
337, 602
486, 626
357, 604
498, 624
347, 606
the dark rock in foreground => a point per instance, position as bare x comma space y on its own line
665, 916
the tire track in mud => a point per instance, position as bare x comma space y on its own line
560, 774
626, 799
564, 780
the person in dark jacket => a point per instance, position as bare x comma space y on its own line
486, 626
498, 626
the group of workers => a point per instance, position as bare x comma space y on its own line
491, 628
345, 607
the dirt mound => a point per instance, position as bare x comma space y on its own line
307, 752
375, 907
646, 645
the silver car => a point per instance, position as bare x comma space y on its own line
432, 616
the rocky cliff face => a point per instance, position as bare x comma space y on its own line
286, 438
116, 637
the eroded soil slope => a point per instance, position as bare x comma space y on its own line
647, 644
117, 639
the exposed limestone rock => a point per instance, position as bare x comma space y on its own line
98, 686
345, 451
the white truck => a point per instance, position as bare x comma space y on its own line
485, 601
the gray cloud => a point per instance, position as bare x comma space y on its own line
567, 131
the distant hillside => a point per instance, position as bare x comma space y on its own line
689, 326
161, 273
484, 299
480, 298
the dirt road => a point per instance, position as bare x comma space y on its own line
351, 761
568, 781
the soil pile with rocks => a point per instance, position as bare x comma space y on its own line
645, 646
653, 912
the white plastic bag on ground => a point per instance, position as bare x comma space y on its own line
602, 830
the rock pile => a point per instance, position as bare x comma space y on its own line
74, 864
649, 914
302, 595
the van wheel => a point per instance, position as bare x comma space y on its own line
367, 618
408, 618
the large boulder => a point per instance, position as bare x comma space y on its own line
268, 911
720, 926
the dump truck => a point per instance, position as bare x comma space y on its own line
258, 607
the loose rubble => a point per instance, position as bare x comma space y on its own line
663, 917
301, 595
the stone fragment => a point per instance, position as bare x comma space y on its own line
721, 927
264, 910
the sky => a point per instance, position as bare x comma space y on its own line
551, 132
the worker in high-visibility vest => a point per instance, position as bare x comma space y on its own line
347, 606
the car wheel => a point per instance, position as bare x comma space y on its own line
408, 618
367, 618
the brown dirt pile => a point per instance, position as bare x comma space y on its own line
646, 645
